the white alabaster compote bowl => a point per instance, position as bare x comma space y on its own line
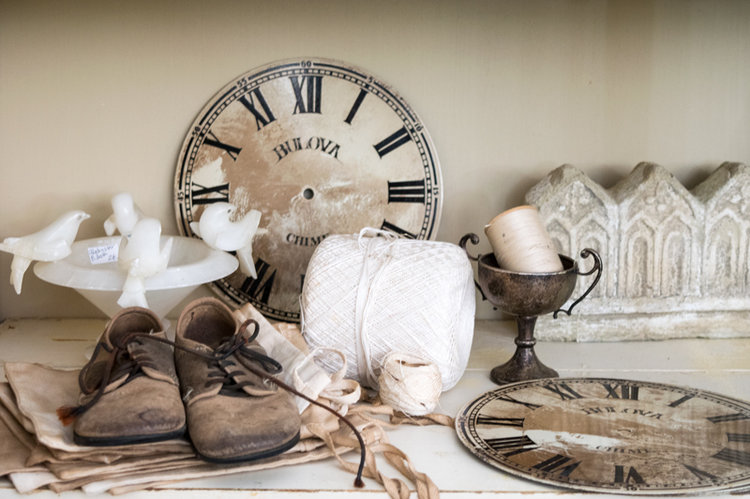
191, 263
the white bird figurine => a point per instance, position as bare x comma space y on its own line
47, 245
125, 214
141, 256
217, 230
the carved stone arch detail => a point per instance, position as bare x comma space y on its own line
560, 235
722, 256
675, 265
636, 275
676, 262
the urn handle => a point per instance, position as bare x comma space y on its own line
585, 253
474, 240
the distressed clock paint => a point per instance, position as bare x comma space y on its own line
318, 147
612, 435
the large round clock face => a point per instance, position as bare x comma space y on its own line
319, 148
612, 435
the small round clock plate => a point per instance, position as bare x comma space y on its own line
319, 147
612, 435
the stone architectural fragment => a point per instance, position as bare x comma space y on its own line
676, 262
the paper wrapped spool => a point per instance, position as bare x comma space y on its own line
370, 294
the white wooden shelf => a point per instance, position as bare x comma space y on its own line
718, 365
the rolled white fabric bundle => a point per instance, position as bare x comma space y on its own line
521, 243
409, 384
372, 294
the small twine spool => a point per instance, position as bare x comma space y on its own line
409, 384
521, 243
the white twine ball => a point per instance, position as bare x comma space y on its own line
369, 296
409, 384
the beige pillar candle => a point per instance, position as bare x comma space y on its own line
521, 243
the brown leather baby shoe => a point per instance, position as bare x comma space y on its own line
129, 388
233, 412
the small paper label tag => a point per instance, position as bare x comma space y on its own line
103, 254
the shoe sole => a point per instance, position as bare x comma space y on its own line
128, 440
252, 457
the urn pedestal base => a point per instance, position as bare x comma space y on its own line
524, 365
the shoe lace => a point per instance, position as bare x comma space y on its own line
224, 370
221, 370
122, 361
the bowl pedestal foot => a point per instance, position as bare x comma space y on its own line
524, 364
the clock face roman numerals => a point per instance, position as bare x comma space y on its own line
207, 195
724, 418
611, 435
258, 107
406, 191
562, 465
623, 391
508, 398
392, 142
492, 420
699, 472
681, 400
738, 437
260, 287
632, 475
307, 93
563, 390
735, 456
386, 225
510, 446
213, 140
355, 106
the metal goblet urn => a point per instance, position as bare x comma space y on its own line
526, 296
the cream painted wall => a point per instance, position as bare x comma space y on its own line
96, 96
